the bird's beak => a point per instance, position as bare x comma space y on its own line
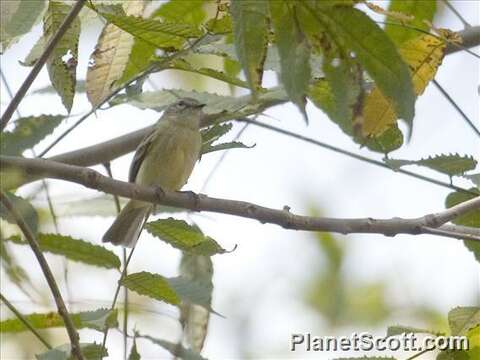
200, 105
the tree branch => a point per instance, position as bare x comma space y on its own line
25, 322
199, 202
12, 106
57, 296
470, 38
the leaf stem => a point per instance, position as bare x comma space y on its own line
353, 155
25, 322
455, 105
12, 106
62, 309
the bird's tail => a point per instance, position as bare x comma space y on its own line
126, 228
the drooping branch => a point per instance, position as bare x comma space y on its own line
284, 218
47, 272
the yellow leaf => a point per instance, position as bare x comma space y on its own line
423, 56
110, 57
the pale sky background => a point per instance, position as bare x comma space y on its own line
259, 287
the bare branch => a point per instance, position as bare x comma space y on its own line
57, 296
470, 38
199, 202
12, 106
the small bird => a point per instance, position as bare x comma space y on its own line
164, 158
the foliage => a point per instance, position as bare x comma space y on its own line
363, 76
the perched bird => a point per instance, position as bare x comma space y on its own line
164, 158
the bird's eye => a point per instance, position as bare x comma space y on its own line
181, 104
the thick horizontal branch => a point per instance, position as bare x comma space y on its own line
199, 202
470, 38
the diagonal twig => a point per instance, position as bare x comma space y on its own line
12, 106
57, 296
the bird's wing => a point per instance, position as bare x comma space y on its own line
139, 156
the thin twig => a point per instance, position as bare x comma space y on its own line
353, 155
455, 105
116, 200
25, 322
117, 292
457, 14
199, 202
12, 106
62, 309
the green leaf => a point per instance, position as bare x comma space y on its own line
15, 272
17, 18
49, 89
451, 165
250, 37
368, 358
224, 146
90, 352
376, 52
75, 250
183, 236
152, 285
182, 64
222, 25
474, 247
471, 218
462, 319
26, 210
176, 291
390, 140
178, 350
28, 132
294, 51
134, 355
194, 318
161, 34
399, 330
420, 10
190, 12
62, 63
215, 132
96, 320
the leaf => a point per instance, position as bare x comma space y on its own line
90, 352
462, 319
376, 52
224, 146
28, 132
161, 34
451, 165
215, 132
175, 291
177, 350
222, 25
96, 320
62, 63
152, 285
420, 10
399, 330
48, 89
250, 37
113, 56
471, 218
183, 236
74, 249
215, 104
190, 12
134, 355
25, 209
390, 140
424, 55
194, 318
182, 64
17, 18
15, 272
294, 52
